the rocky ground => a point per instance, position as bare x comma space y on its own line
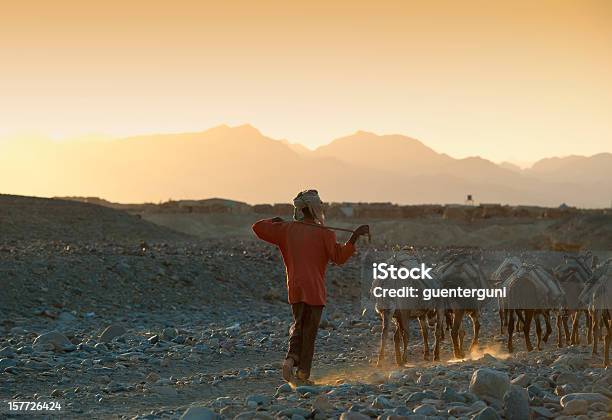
135, 327
138, 330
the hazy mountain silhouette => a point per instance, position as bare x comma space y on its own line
594, 169
389, 153
511, 166
241, 163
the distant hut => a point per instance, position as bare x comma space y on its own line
214, 205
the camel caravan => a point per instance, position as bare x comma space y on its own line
576, 292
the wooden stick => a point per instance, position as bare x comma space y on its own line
330, 227
324, 226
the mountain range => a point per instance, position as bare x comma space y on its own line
243, 164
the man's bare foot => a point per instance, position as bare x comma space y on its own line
288, 370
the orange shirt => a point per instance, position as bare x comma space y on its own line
306, 251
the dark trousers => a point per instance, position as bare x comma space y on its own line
302, 336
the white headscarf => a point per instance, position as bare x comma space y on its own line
309, 199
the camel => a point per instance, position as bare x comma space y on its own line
402, 310
461, 270
597, 295
505, 270
532, 292
573, 274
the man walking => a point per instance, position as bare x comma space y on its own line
306, 247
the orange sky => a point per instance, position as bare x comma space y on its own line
514, 80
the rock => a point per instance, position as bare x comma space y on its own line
304, 389
152, 377
283, 389
575, 407
7, 352
420, 396
562, 390
101, 347
322, 404
458, 410
294, 411
524, 380
354, 415
565, 378
169, 334
66, 317
5, 363
199, 413
535, 391
381, 402
587, 396
570, 361
450, 395
542, 412
402, 411
258, 399
111, 332
153, 339
166, 391
53, 340
487, 414
425, 410
424, 379
251, 415
598, 406
489, 382
516, 403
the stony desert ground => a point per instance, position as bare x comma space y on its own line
118, 317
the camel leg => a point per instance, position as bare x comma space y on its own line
405, 337
397, 342
456, 325
474, 316
425, 334
520, 321
595, 317
588, 324
448, 321
383, 336
510, 329
607, 342
527, 328
538, 326
575, 334
568, 336
439, 332
559, 334
548, 327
